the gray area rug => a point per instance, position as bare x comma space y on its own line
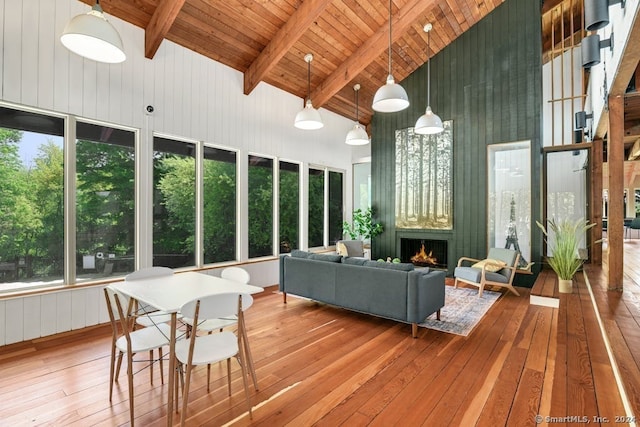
462, 310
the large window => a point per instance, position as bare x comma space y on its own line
105, 200
31, 199
219, 205
85, 220
260, 206
174, 203
289, 206
316, 207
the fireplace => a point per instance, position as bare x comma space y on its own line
424, 252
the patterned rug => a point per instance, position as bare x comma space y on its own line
462, 310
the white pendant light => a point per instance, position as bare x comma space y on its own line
90, 35
357, 135
308, 118
391, 97
429, 123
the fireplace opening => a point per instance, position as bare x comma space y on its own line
424, 252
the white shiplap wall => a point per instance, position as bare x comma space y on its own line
193, 96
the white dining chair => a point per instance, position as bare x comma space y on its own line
151, 316
127, 341
239, 275
212, 348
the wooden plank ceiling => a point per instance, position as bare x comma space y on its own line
268, 39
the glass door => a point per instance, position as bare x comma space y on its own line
566, 189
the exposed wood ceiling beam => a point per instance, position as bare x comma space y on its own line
284, 40
159, 25
369, 51
634, 153
628, 64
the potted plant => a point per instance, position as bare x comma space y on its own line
565, 259
361, 226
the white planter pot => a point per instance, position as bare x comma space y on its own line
565, 286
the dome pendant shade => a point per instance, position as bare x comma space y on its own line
357, 136
428, 124
308, 118
91, 36
390, 98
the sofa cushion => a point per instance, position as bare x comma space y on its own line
354, 260
400, 266
297, 253
325, 257
474, 274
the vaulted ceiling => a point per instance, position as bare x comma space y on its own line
267, 40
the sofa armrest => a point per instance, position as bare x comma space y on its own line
425, 294
281, 284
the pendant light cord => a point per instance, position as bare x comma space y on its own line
357, 112
429, 68
389, 37
309, 80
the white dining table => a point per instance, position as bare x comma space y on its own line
169, 293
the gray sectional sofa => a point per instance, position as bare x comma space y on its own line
393, 291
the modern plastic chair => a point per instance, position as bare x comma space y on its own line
152, 316
212, 348
239, 275
129, 342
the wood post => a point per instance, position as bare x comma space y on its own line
596, 198
615, 221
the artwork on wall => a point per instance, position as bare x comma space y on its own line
424, 187
509, 198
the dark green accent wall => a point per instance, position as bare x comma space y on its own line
488, 81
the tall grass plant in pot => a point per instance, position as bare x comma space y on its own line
563, 239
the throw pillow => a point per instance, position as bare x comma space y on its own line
492, 265
341, 249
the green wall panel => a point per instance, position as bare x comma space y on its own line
488, 81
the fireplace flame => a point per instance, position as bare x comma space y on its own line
422, 257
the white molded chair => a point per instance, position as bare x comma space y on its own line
239, 275
212, 348
127, 341
152, 316
236, 274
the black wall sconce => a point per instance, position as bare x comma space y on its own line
596, 13
581, 119
590, 48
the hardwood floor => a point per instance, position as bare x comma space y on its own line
324, 366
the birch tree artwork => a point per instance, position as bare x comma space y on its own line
424, 188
